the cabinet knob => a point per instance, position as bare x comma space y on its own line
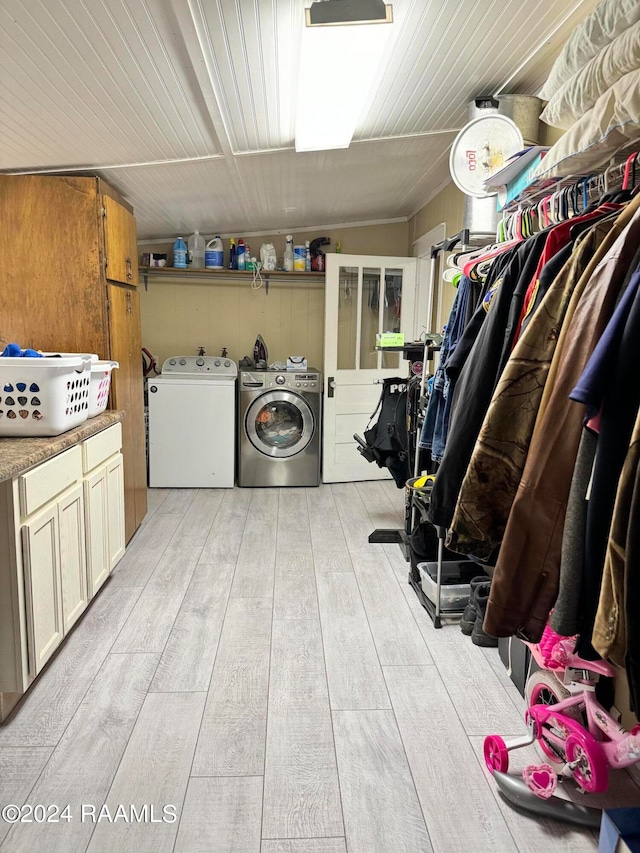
129, 269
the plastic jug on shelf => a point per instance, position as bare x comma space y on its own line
180, 254
214, 254
195, 246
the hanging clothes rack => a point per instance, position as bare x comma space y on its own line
576, 193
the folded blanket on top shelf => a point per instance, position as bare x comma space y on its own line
613, 121
602, 26
580, 92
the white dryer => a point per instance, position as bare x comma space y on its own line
192, 420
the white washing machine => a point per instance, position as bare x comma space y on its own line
192, 420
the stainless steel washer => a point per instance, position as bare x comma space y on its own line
279, 427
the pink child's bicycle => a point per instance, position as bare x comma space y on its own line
571, 727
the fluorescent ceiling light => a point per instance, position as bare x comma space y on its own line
338, 66
327, 12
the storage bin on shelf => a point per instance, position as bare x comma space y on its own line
43, 396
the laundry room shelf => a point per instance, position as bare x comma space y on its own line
172, 272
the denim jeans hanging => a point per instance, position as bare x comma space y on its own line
436, 422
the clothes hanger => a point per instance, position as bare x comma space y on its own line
630, 165
543, 211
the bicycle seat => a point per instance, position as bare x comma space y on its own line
564, 655
601, 667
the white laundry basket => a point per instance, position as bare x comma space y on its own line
100, 384
43, 396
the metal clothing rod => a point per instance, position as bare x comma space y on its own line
468, 239
595, 181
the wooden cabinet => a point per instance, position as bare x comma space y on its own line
121, 248
69, 275
126, 345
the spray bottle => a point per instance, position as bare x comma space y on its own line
288, 254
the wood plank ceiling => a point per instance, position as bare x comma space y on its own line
188, 106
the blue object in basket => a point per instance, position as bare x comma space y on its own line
14, 351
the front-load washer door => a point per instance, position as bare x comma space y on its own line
280, 424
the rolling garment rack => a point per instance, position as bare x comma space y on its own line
425, 351
466, 240
412, 352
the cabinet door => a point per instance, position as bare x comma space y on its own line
42, 586
115, 509
50, 263
96, 529
121, 248
128, 394
73, 560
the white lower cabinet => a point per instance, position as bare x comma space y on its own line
73, 557
61, 534
43, 588
115, 512
104, 520
97, 528
55, 571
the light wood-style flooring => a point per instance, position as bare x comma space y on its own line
255, 664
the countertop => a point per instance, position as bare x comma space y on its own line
17, 455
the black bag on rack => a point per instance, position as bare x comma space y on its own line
386, 442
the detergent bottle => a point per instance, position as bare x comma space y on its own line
180, 254
240, 254
214, 254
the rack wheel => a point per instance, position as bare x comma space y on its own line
496, 755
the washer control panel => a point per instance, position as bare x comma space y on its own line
300, 382
206, 367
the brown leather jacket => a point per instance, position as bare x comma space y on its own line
525, 582
495, 470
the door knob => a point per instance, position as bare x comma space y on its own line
332, 385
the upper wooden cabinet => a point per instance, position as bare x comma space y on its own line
121, 248
68, 276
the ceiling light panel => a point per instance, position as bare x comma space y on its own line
338, 77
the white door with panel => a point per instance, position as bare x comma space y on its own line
364, 295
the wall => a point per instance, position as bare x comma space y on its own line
448, 207
180, 315
550, 135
